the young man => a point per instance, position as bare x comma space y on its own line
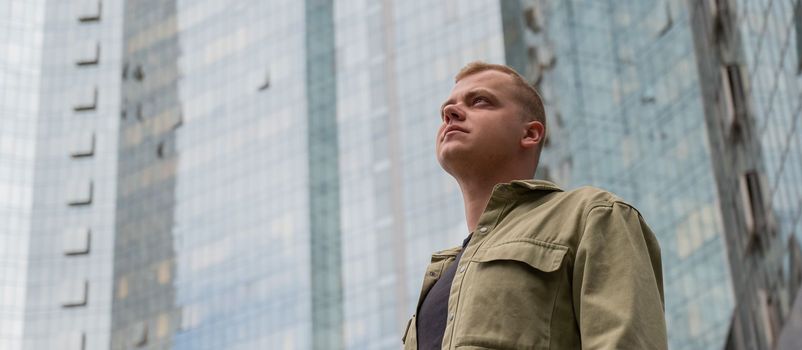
541, 268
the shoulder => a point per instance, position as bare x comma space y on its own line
550, 214
589, 203
605, 213
587, 198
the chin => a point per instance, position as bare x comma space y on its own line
451, 158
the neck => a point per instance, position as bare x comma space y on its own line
476, 194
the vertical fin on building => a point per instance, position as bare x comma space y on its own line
324, 181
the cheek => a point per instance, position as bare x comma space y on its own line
439, 133
501, 136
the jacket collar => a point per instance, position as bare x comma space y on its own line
516, 188
451, 252
536, 185
505, 191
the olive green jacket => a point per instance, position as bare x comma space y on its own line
547, 269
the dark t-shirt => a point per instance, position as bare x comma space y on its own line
431, 319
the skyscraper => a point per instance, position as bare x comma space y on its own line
70, 254
627, 115
212, 176
261, 174
748, 58
685, 109
20, 69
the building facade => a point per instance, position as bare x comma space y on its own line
218, 189
748, 58
261, 174
70, 250
20, 70
688, 109
627, 115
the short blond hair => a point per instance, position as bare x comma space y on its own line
528, 98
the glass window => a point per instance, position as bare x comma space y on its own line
753, 199
733, 96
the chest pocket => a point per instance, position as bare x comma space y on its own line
508, 295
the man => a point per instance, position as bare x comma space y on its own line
541, 268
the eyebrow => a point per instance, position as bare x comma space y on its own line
470, 95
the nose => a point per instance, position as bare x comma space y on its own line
452, 112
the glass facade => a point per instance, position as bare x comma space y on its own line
202, 174
143, 310
233, 185
769, 30
395, 66
20, 70
325, 244
267, 211
70, 251
758, 53
627, 116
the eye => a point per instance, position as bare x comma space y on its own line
480, 99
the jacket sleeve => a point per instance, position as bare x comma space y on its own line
618, 282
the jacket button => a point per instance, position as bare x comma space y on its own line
483, 229
432, 274
462, 269
451, 317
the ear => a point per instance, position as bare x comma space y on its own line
533, 134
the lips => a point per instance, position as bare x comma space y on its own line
453, 129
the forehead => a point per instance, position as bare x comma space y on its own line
493, 80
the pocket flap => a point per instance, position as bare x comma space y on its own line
544, 256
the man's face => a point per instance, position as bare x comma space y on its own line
482, 125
